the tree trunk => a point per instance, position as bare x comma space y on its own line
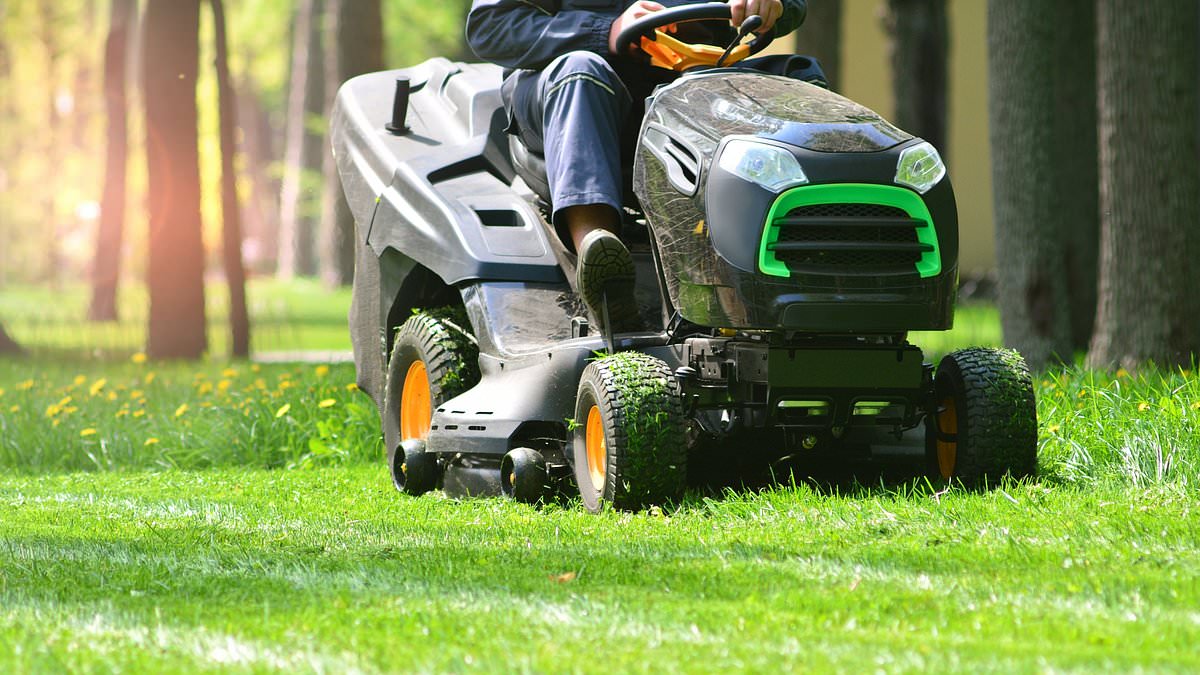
50, 19
821, 38
235, 273
1149, 184
261, 214
175, 265
357, 49
920, 40
1076, 180
106, 269
303, 147
7, 344
1042, 105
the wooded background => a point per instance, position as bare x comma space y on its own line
170, 140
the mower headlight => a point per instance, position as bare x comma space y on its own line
770, 166
920, 167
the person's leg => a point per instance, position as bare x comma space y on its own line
583, 105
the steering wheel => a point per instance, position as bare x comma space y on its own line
668, 52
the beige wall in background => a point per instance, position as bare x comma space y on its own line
866, 78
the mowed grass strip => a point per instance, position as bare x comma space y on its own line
329, 569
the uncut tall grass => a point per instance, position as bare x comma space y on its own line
1095, 428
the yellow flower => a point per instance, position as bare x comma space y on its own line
70, 409
139, 413
352, 387
14, 409
122, 413
138, 358
150, 441
52, 410
254, 367
25, 386
1121, 372
229, 372
64, 401
112, 396
259, 383
80, 379
283, 410
1, 391
1143, 406
150, 377
1053, 428
88, 432
327, 403
205, 388
224, 385
322, 370
97, 386
181, 410
136, 394
1196, 405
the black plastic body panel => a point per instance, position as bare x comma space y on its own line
709, 237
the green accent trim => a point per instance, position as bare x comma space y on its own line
930, 264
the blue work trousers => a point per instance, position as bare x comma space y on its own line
582, 113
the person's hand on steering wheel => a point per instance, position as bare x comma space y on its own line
769, 10
636, 11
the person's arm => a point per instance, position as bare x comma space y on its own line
527, 34
793, 15
784, 15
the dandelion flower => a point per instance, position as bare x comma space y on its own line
1, 391
88, 432
112, 396
150, 441
138, 358
139, 413
14, 409
283, 410
327, 403
1196, 405
80, 379
1143, 406
352, 387
150, 377
322, 370
1121, 372
25, 386
224, 385
181, 410
229, 372
97, 386
1053, 428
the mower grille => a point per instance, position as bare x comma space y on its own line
849, 239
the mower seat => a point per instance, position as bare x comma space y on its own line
530, 166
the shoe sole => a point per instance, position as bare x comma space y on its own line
608, 270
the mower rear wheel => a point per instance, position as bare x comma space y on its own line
433, 360
629, 448
985, 423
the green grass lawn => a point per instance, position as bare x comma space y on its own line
238, 516
285, 316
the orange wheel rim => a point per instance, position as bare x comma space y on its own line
415, 408
597, 450
947, 451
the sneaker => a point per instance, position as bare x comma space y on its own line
605, 268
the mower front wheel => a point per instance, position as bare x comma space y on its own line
628, 446
984, 425
432, 361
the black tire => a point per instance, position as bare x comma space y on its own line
985, 422
451, 366
639, 416
523, 476
414, 471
